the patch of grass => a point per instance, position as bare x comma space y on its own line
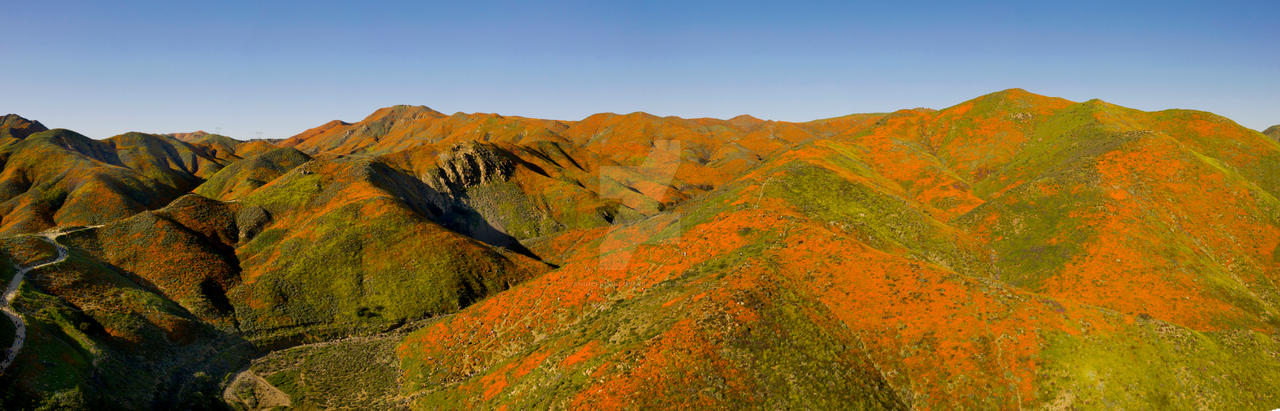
359, 373
879, 219
242, 177
1155, 364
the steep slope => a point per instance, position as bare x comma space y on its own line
89, 324
166, 160
352, 243
1168, 214
58, 177
214, 145
205, 283
568, 175
499, 192
670, 308
184, 252
1070, 248
1011, 251
242, 177
13, 128
1273, 132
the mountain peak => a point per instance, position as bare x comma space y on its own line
1018, 94
17, 127
400, 111
1273, 132
189, 137
1014, 99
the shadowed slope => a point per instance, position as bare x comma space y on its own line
214, 145
184, 251
1011, 251
353, 244
936, 296
1273, 132
58, 177
569, 174
334, 249
88, 324
13, 128
165, 160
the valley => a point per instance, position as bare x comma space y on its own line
1010, 251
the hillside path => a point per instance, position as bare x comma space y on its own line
20, 325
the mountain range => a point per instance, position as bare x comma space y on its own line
1011, 251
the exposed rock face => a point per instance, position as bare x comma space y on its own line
250, 220
1273, 132
470, 164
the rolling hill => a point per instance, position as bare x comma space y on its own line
1011, 251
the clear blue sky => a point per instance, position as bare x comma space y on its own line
278, 68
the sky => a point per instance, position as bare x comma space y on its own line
272, 69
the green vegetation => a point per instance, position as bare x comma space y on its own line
27, 250
1155, 364
242, 177
7, 272
87, 326
1273, 132
790, 357
59, 177
359, 373
879, 219
365, 261
1012, 251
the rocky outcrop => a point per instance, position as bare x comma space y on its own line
250, 221
471, 164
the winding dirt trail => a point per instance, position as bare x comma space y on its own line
20, 325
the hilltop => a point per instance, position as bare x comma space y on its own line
1010, 251
13, 127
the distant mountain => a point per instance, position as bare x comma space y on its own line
1011, 251
59, 177
215, 145
13, 127
979, 256
240, 178
1273, 131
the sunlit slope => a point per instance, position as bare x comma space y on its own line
240, 178
184, 251
1017, 278
90, 324
59, 177
558, 175
1169, 214
333, 249
166, 160
354, 244
1011, 251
